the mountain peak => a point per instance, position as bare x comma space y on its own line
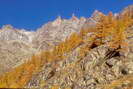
96, 12
58, 18
58, 21
96, 15
7, 27
92, 52
74, 18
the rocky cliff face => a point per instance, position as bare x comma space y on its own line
94, 71
15, 45
54, 32
99, 66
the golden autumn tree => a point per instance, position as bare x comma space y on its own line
119, 32
105, 27
109, 27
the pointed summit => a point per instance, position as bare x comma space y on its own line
97, 15
58, 21
82, 19
74, 18
59, 17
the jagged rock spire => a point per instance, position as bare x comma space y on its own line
59, 17
97, 15
82, 19
74, 18
58, 21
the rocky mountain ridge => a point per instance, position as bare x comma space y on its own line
25, 43
77, 68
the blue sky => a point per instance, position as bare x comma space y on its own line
31, 14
